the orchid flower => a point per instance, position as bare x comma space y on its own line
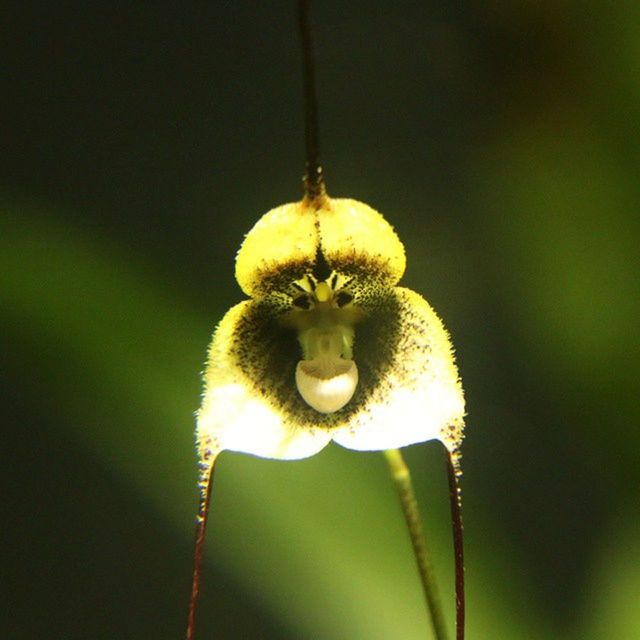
328, 347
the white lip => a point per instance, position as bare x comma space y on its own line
326, 383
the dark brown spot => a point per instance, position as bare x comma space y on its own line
321, 269
302, 302
343, 297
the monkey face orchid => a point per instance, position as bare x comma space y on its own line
328, 347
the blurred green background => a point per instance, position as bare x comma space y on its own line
139, 144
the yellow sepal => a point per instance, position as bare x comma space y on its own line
285, 237
235, 416
351, 231
287, 241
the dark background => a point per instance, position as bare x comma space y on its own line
139, 144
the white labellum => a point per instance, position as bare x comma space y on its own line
326, 383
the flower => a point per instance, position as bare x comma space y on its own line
327, 347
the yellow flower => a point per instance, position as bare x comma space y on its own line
328, 347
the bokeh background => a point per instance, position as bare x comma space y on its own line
140, 142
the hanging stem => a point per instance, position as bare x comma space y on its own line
402, 479
313, 179
206, 483
455, 499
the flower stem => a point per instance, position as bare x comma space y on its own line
404, 486
314, 178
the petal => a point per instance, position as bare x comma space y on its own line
415, 394
242, 406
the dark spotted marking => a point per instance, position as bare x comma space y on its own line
321, 269
267, 352
343, 298
302, 302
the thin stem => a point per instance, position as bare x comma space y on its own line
402, 479
455, 499
313, 179
206, 484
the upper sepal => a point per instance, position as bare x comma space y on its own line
341, 235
